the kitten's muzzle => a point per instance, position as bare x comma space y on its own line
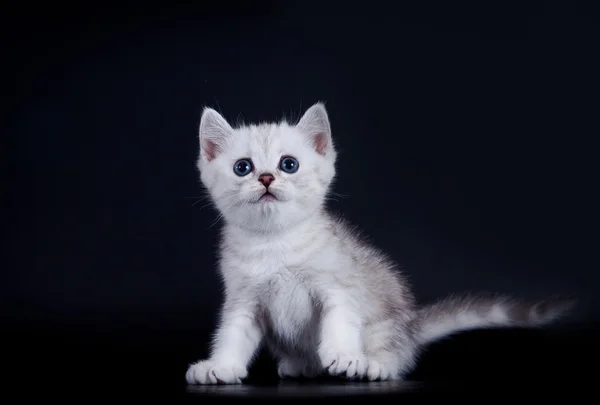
266, 179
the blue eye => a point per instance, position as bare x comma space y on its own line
242, 167
289, 164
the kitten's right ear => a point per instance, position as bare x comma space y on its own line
213, 133
315, 124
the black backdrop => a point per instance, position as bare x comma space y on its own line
466, 151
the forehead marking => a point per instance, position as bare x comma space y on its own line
261, 139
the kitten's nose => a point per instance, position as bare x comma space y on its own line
266, 179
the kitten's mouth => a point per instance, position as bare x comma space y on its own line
267, 197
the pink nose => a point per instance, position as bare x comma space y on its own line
266, 179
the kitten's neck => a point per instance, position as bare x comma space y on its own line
311, 222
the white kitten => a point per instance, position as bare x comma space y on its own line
303, 281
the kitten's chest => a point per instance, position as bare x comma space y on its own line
288, 305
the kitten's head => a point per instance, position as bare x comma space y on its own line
269, 176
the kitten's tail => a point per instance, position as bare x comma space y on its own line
456, 314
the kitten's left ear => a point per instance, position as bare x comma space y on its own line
214, 132
315, 123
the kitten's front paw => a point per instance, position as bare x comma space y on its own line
381, 371
209, 372
352, 365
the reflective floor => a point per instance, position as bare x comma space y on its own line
302, 389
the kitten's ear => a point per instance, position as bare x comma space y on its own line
315, 123
213, 133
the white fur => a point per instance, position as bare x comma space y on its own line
300, 279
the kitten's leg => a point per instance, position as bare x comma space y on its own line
390, 351
235, 343
341, 346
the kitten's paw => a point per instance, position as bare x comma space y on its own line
381, 371
352, 365
209, 372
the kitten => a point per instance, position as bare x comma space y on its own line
302, 280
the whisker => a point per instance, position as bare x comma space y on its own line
199, 201
216, 221
199, 198
220, 215
211, 202
338, 194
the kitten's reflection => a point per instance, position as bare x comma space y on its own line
299, 389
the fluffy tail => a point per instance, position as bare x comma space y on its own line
456, 314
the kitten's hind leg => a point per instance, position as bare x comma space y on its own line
290, 366
383, 366
390, 352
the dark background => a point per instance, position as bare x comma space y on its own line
465, 130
